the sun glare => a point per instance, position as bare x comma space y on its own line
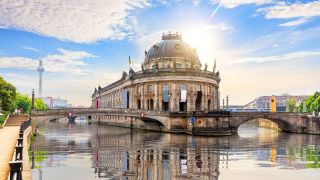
203, 39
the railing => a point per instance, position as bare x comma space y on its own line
16, 165
79, 111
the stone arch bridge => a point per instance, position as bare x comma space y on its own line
199, 123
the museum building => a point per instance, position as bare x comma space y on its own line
171, 79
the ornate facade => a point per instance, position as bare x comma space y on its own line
171, 80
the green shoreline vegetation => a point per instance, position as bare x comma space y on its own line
11, 100
309, 105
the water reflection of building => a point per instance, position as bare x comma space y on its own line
118, 153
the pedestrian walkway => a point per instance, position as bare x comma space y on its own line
16, 120
8, 139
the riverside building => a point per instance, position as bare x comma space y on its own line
171, 79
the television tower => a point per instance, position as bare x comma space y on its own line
40, 69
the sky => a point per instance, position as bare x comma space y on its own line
262, 47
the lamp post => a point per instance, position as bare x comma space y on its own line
32, 105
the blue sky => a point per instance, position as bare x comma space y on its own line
262, 47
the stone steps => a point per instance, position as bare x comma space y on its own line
16, 120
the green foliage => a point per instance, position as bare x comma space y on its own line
40, 105
3, 118
300, 107
292, 105
39, 156
312, 103
313, 157
23, 102
7, 95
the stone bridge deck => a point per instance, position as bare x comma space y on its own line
180, 121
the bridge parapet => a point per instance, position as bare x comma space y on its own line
82, 111
267, 114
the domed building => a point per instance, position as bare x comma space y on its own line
172, 79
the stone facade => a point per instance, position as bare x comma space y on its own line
171, 80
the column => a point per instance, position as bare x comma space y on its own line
218, 99
192, 96
173, 101
156, 97
161, 95
142, 96
131, 103
205, 94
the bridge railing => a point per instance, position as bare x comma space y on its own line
141, 112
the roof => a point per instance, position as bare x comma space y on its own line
171, 45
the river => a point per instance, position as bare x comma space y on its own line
83, 151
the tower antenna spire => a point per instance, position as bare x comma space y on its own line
214, 65
40, 69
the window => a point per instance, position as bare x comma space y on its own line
154, 66
165, 87
149, 88
183, 87
198, 88
138, 89
178, 65
209, 90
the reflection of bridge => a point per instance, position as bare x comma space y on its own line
205, 123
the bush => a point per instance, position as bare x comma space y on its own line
3, 118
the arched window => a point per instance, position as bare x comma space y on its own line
209, 90
149, 88
154, 66
139, 89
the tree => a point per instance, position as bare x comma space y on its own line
23, 102
291, 105
7, 95
313, 103
300, 107
40, 105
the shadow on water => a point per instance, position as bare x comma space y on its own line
83, 151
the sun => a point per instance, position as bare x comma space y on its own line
203, 39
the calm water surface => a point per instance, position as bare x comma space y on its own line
83, 151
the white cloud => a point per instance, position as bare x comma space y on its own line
79, 21
236, 3
294, 23
283, 57
18, 63
30, 48
295, 10
65, 62
196, 2
303, 11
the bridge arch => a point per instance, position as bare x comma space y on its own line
155, 120
282, 124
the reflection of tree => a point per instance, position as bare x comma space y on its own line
310, 154
313, 157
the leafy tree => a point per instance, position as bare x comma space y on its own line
40, 105
291, 105
313, 103
300, 107
23, 102
7, 95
